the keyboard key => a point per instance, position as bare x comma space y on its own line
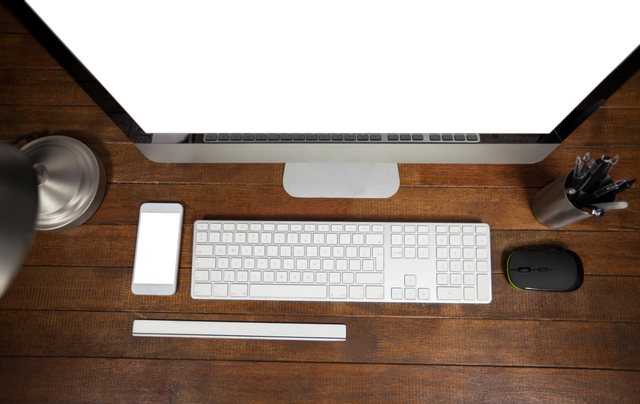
368, 265
288, 291
204, 250
469, 279
483, 266
375, 239
205, 263
220, 289
410, 294
338, 292
410, 280
202, 289
484, 288
356, 292
374, 292
378, 254
449, 293
238, 290
469, 293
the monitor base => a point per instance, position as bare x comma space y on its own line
341, 180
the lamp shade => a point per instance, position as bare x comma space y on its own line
18, 209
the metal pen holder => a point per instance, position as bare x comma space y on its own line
551, 205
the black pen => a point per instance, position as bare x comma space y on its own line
612, 163
592, 176
603, 191
620, 189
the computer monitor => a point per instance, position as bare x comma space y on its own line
343, 91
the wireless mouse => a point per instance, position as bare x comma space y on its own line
545, 270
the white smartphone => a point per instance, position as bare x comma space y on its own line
155, 266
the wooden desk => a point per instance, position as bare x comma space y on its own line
65, 323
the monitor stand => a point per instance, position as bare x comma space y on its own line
341, 180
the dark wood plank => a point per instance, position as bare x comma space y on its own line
128, 165
9, 23
23, 51
628, 96
528, 343
606, 128
40, 86
271, 202
137, 381
89, 124
74, 288
113, 245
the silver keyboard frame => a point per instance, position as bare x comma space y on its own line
399, 273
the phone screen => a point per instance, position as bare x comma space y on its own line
157, 250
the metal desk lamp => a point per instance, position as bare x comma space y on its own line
54, 183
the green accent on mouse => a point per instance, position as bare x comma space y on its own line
509, 277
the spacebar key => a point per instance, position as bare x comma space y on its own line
288, 291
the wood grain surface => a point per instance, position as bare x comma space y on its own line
66, 321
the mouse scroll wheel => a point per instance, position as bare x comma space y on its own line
524, 269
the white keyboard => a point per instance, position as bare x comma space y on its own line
341, 261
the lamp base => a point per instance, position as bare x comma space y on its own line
71, 182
